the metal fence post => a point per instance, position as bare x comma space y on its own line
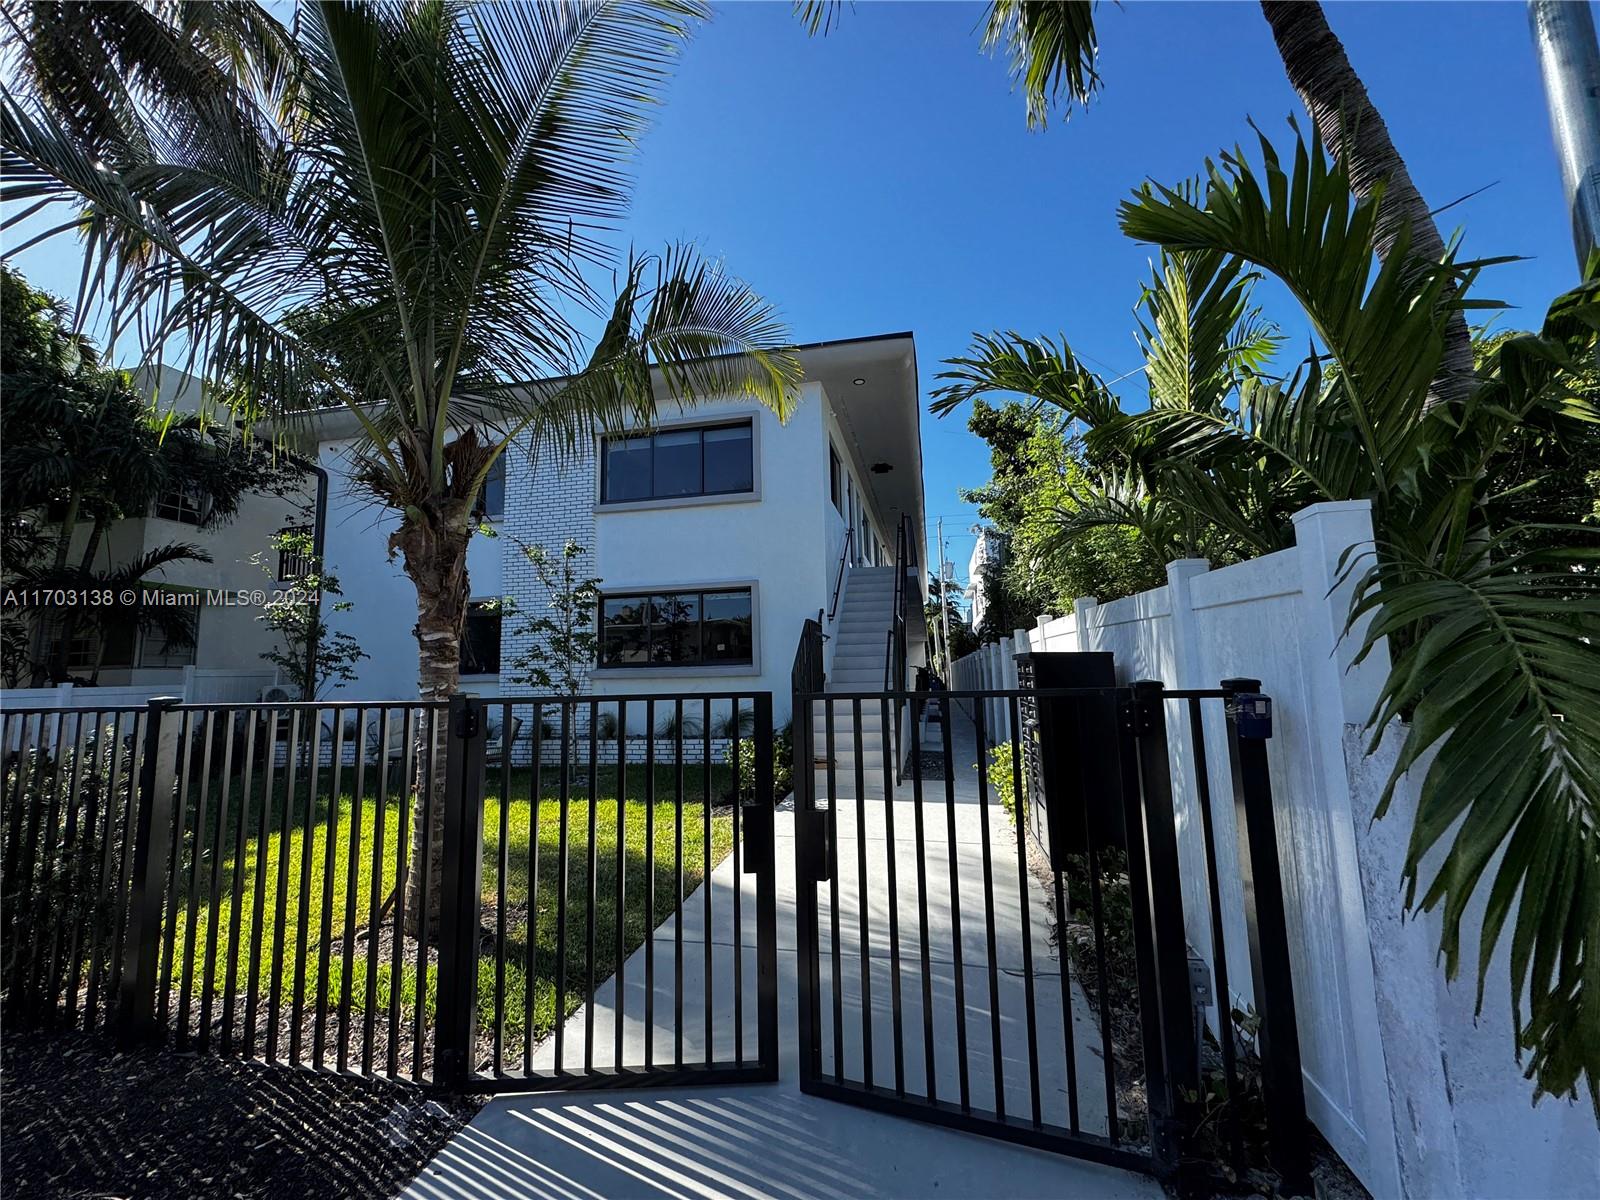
1178, 1051
765, 856
1249, 716
460, 888
152, 836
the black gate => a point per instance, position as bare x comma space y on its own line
961, 964
245, 879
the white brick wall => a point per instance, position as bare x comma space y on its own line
548, 503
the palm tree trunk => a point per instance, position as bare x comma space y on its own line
1353, 131
433, 547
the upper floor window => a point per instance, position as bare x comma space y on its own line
185, 504
707, 460
670, 629
491, 504
835, 470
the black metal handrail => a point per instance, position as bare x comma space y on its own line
838, 579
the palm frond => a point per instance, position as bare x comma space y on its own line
1199, 332
1499, 673
1051, 46
1301, 224
1038, 368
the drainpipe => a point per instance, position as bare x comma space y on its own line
1569, 58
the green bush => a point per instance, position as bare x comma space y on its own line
744, 752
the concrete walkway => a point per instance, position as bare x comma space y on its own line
769, 1140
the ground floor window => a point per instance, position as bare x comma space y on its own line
672, 629
171, 641
480, 641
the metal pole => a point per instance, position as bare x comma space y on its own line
1178, 1050
1569, 58
461, 885
152, 836
1249, 715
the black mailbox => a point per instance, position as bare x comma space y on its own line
1069, 753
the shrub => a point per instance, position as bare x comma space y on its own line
744, 752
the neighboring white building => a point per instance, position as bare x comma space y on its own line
226, 637
987, 551
716, 534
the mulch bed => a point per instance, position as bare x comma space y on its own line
82, 1119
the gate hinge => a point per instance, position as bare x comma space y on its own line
467, 723
1137, 716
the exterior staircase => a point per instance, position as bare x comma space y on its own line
866, 613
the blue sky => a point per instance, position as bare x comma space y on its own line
883, 178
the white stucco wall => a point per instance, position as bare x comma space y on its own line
774, 543
783, 542
384, 605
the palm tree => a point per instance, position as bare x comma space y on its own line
1052, 47
1205, 343
1495, 645
433, 184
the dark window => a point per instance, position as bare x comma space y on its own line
713, 460
730, 461
171, 649
492, 499
625, 471
668, 629
110, 645
187, 505
835, 469
678, 463
480, 641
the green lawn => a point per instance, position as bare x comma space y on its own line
299, 903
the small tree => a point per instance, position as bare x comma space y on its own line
313, 654
565, 639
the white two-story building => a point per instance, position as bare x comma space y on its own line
715, 535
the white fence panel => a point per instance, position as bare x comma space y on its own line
1376, 1018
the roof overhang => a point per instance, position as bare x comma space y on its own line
882, 417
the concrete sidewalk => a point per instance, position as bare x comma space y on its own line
769, 1140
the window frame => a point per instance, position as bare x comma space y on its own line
149, 636
747, 419
835, 470
480, 506
702, 665
190, 500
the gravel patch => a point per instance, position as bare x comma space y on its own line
83, 1119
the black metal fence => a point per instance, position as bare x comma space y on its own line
954, 969
427, 891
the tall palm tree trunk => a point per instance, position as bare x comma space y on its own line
433, 549
1353, 131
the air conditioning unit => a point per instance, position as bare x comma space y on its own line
277, 695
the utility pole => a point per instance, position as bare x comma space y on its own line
1569, 57
944, 607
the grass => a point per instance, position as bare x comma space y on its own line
306, 892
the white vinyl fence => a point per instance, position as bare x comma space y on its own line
1419, 1100
198, 685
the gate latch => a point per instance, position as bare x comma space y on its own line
1252, 714
467, 722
